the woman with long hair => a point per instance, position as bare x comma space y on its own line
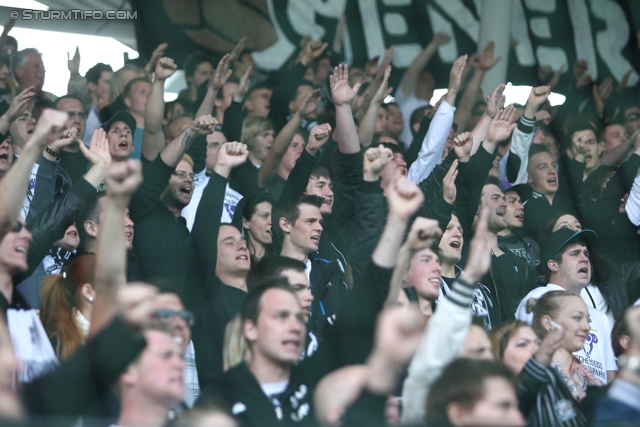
514, 343
256, 225
67, 301
553, 383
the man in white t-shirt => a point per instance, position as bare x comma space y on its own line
231, 197
566, 259
152, 384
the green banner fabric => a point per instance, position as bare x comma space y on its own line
544, 32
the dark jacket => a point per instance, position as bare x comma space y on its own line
510, 280
51, 224
160, 238
92, 371
349, 342
617, 236
544, 398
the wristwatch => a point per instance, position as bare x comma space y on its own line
53, 153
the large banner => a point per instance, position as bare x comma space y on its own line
545, 32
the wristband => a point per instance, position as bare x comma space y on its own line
53, 153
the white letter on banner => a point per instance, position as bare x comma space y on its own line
611, 41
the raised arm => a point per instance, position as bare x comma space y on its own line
410, 77
111, 262
153, 140
485, 62
13, 186
17, 107
296, 184
218, 80
495, 102
368, 220
98, 156
444, 337
285, 136
500, 129
173, 152
52, 222
345, 134
523, 134
204, 234
436, 137
404, 199
155, 57
367, 127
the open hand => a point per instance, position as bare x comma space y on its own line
309, 104
479, 259
98, 151
74, 63
486, 60
449, 189
222, 73
502, 125
341, 91
495, 101
19, 104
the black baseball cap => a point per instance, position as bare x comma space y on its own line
561, 238
524, 191
121, 116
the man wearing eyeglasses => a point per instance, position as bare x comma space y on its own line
161, 233
72, 161
171, 311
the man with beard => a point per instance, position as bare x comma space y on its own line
161, 233
509, 277
72, 161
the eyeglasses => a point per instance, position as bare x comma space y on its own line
165, 314
73, 115
632, 117
183, 175
17, 227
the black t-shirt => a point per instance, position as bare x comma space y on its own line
74, 164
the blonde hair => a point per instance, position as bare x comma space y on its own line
548, 304
116, 81
252, 127
235, 348
187, 159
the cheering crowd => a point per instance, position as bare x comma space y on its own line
291, 249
